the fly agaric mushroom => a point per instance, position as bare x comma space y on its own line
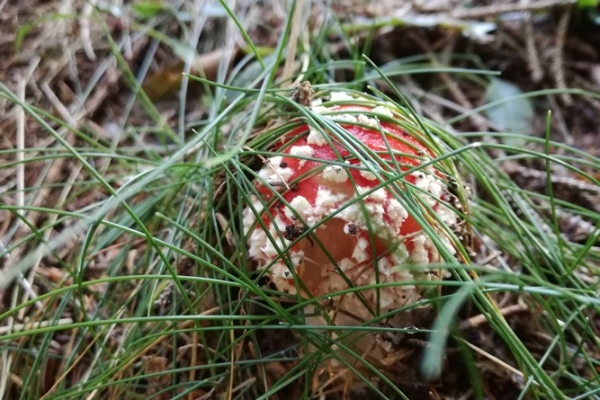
334, 214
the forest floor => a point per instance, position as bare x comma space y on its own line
96, 103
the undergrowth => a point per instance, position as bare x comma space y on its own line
125, 270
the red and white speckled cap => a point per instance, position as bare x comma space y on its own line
334, 220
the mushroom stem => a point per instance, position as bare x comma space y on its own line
361, 342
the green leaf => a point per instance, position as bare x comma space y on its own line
509, 110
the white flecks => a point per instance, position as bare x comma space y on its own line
326, 203
435, 188
261, 247
284, 173
432, 251
335, 173
399, 256
275, 161
345, 264
350, 229
446, 215
368, 121
360, 250
447, 244
383, 266
300, 204
282, 277
275, 180
468, 190
269, 250
297, 257
340, 96
324, 197
368, 175
316, 137
279, 223
377, 195
273, 174
258, 239
279, 269
430, 185
280, 272
375, 211
404, 275
302, 152
382, 110
249, 216
420, 252
319, 109
352, 214
395, 211
248, 220
370, 208
345, 118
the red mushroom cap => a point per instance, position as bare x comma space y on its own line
360, 232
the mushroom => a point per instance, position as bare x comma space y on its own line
334, 218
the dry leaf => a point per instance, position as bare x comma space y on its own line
152, 365
168, 81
